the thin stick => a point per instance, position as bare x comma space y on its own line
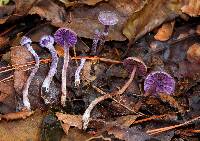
97, 58
104, 93
86, 115
160, 130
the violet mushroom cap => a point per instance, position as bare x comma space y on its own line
160, 81
65, 37
46, 41
131, 62
108, 18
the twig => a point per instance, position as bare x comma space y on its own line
160, 130
97, 58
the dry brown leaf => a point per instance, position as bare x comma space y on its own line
126, 121
87, 2
169, 99
49, 10
22, 130
192, 8
86, 73
17, 115
70, 120
152, 15
5, 91
165, 32
13, 12
193, 53
20, 76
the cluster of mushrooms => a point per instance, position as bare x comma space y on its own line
155, 82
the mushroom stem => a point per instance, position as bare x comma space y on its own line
95, 42
106, 28
51, 73
78, 71
28, 82
64, 75
86, 115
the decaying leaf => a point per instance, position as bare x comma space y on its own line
193, 53
165, 32
5, 91
69, 3
192, 8
49, 10
144, 21
20, 76
69, 120
86, 76
27, 129
17, 115
169, 99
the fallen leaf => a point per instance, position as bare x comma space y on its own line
17, 115
144, 21
20, 76
44, 8
193, 53
170, 100
5, 91
27, 129
69, 120
86, 73
192, 8
198, 29
74, 3
165, 32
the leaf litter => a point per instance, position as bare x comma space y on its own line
165, 34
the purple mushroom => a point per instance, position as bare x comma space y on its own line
107, 18
26, 42
159, 82
47, 41
66, 38
134, 66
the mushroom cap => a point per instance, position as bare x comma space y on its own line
131, 62
159, 82
108, 18
65, 37
46, 41
25, 40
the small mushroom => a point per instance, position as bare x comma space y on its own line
133, 65
78, 71
26, 42
107, 18
159, 82
47, 41
66, 38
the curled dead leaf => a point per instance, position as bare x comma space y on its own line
17, 115
144, 21
20, 76
165, 32
193, 53
69, 120
192, 8
5, 91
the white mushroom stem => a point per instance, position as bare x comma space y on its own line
33, 72
86, 115
78, 71
64, 75
95, 41
53, 69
